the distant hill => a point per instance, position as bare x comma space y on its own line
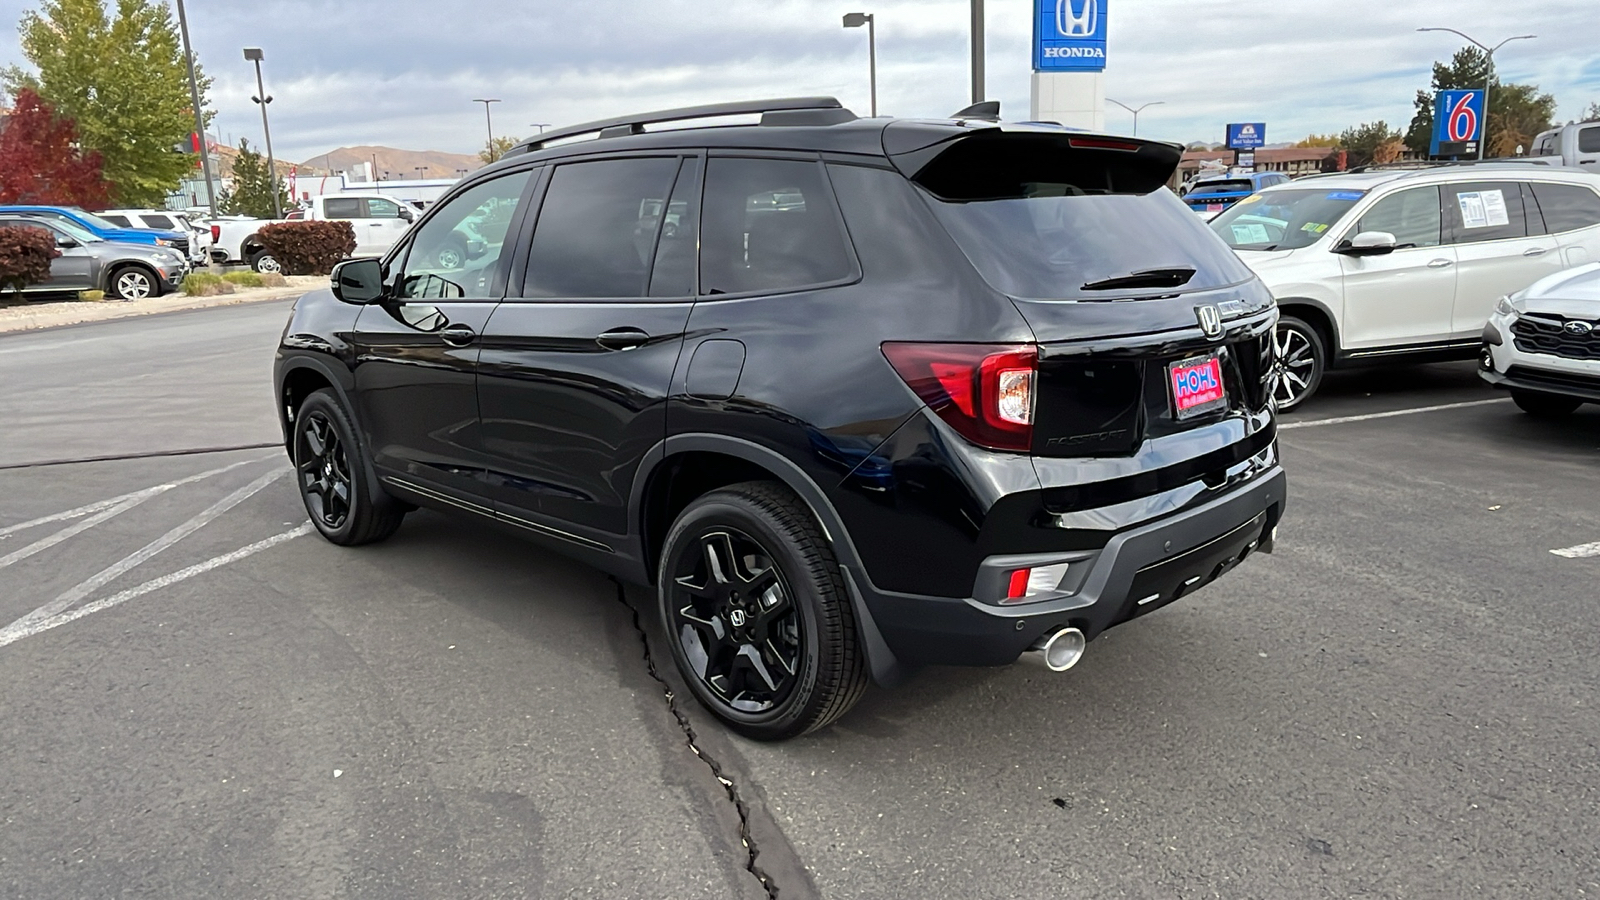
400, 164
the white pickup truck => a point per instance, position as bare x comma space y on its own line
379, 221
1576, 145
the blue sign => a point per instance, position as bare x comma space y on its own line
1457, 121
1247, 136
1069, 35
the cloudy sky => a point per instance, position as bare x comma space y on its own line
403, 73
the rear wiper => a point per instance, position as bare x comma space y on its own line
1146, 278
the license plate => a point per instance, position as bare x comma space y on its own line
1196, 385
1213, 207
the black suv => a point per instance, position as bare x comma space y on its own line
854, 395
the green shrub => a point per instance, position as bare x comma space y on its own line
25, 255
201, 284
309, 248
244, 279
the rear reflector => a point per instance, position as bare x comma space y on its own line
1025, 584
984, 391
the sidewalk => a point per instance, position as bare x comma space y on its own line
30, 316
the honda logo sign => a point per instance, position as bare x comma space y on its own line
1069, 35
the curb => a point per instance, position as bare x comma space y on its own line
53, 315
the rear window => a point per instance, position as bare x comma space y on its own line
1567, 207
1046, 218
1221, 187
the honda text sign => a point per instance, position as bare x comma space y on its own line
1069, 35
1247, 135
1457, 123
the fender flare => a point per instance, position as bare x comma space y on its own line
885, 667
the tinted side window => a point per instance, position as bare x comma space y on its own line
1412, 216
673, 275
1589, 139
1567, 207
597, 228
116, 220
1481, 211
342, 208
378, 208
769, 225
457, 252
151, 221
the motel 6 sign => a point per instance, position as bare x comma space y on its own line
1069, 35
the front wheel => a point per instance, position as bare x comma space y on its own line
1299, 359
1545, 406
756, 613
134, 283
334, 476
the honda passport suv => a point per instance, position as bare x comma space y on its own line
853, 396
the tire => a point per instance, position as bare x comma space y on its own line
1299, 358
1544, 406
783, 657
335, 477
134, 283
451, 256
262, 261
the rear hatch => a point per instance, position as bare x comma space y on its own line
1148, 325
1215, 196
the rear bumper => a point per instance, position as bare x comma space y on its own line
1137, 571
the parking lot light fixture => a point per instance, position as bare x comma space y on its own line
1483, 138
856, 20
1135, 111
488, 120
254, 54
199, 114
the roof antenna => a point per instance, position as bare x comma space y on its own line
987, 111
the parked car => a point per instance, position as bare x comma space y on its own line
844, 391
379, 221
1576, 144
1216, 193
1543, 343
88, 263
165, 220
106, 231
1405, 265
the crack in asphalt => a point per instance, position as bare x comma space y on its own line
745, 838
153, 454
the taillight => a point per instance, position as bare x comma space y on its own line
216, 233
984, 391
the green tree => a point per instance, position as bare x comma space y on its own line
497, 148
1517, 112
1592, 114
1319, 140
1370, 142
122, 78
251, 194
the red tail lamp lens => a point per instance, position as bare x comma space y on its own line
984, 391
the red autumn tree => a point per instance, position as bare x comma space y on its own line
41, 162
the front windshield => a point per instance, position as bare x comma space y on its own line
81, 234
1283, 220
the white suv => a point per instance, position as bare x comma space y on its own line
1405, 265
1543, 343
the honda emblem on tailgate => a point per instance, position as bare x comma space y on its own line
1210, 320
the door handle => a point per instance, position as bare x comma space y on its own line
1440, 264
1535, 251
458, 335
622, 339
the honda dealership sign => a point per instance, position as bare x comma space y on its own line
1069, 35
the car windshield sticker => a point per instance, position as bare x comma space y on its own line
1250, 234
1344, 195
1253, 198
1483, 209
1313, 228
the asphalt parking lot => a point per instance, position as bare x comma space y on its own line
200, 700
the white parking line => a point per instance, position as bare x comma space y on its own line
15, 633
1340, 420
102, 504
1581, 551
90, 585
71, 530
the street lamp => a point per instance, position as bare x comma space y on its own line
488, 120
254, 54
420, 171
856, 20
199, 116
1136, 111
539, 125
1488, 79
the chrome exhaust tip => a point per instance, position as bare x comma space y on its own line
1059, 650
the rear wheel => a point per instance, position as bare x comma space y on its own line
264, 262
334, 477
1545, 406
756, 613
1299, 359
134, 283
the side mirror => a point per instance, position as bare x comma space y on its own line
1369, 243
358, 281
406, 214
66, 243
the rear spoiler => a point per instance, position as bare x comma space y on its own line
956, 162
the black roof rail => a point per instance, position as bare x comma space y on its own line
782, 111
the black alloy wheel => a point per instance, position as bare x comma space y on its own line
1298, 360
334, 477
1545, 406
756, 614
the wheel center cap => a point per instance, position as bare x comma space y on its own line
737, 618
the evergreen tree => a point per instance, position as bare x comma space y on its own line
251, 194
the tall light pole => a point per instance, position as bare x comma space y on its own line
977, 51
1488, 79
1135, 111
856, 20
539, 125
489, 120
254, 54
199, 116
